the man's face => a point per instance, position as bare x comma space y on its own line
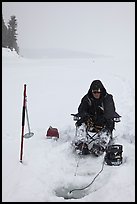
96, 93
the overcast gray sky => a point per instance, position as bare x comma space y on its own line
97, 27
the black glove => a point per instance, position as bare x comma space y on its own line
84, 119
76, 116
79, 122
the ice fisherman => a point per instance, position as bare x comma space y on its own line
97, 110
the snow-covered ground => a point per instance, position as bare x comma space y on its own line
50, 169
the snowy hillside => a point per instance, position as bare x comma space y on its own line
50, 169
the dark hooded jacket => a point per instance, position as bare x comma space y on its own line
102, 110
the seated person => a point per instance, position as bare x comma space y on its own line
97, 109
99, 106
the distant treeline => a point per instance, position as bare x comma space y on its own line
9, 34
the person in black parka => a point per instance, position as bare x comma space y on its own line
99, 106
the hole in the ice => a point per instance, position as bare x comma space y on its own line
66, 193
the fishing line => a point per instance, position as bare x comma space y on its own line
76, 189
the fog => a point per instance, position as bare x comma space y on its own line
95, 27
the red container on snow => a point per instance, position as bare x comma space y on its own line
52, 133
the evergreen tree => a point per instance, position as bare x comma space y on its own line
4, 34
12, 34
